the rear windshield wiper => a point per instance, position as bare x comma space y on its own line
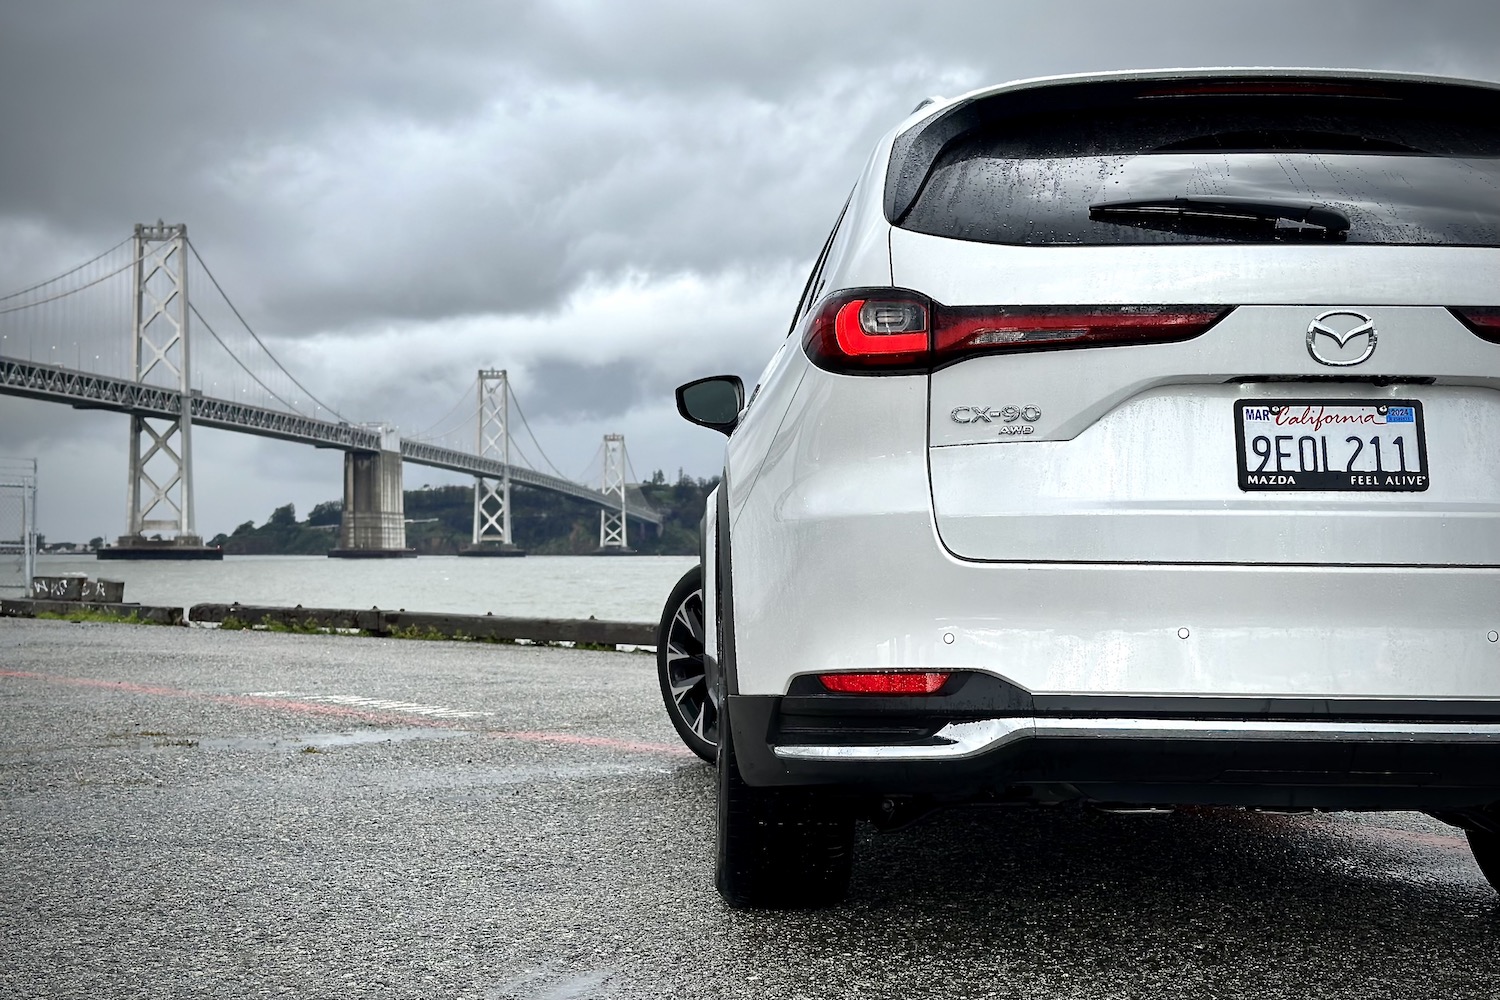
1253, 211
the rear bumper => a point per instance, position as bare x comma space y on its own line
1417, 757
959, 740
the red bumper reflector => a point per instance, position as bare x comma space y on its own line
884, 682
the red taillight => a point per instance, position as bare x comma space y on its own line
873, 330
1483, 320
872, 327
884, 682
968, 330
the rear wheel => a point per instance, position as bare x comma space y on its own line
779, 848
1486, 848
680, 667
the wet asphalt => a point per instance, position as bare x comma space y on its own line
188, 813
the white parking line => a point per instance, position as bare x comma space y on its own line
377, 704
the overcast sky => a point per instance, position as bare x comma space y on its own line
606, 198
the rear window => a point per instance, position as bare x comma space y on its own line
1183, 170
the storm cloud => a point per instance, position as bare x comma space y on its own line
604, 198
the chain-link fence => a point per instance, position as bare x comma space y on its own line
17, 526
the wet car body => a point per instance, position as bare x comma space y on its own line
1133, 445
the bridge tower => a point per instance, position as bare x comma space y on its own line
492, 535
612, 533
160, 488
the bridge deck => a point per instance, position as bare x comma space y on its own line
103, 392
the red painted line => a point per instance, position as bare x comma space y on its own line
90, 682
1446, 841
294, 706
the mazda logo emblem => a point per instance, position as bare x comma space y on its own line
1340, 326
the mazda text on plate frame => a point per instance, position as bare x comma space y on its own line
1134, 444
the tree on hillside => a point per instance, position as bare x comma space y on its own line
327, 512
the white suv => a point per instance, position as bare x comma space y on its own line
1134, 444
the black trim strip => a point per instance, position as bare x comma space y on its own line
727, 666
1278, 709
974, 695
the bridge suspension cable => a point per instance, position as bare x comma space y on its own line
69, 271
446, 427
524, 423
467, 416
208, 272
236, 359
525, 458
62, 295
594, 463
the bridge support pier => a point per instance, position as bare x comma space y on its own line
374, 519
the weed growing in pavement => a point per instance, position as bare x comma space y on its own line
413, 632
233, 624
295, 628
493, 640
110, 617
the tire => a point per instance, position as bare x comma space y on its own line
680, 669
779, 848
1486, 848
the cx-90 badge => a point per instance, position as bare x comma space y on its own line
1012, 419
1340, 327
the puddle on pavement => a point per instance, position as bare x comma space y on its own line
328, 741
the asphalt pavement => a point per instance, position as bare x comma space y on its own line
190, 813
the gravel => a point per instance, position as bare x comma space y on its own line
190, 813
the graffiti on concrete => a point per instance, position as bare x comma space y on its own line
77, 588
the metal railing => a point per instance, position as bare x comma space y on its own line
17, 525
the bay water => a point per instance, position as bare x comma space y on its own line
616, 588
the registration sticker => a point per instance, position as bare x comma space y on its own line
1352, 446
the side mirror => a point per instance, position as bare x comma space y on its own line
713, 402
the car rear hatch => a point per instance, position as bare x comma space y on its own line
1224, 319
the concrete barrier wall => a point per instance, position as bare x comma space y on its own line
377, 622
29, 608
74, 587
416, 624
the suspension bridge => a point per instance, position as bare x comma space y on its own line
119, 332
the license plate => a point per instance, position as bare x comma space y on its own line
1352, 446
